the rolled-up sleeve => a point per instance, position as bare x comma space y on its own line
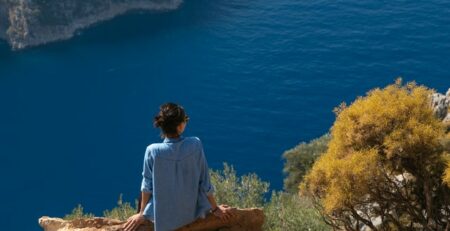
147, 177
205, 181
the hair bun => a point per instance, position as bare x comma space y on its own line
169, 117
158, 121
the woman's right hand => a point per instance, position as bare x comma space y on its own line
224, 212
133, 222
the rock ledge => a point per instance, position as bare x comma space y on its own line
250, 219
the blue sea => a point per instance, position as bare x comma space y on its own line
256, 78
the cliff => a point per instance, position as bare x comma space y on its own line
441, 106
246, 220
4, 21
25, 23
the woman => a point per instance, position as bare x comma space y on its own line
176, 187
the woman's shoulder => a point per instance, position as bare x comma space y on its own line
161, 145
194, 139
154, 146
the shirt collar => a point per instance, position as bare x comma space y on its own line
173, 140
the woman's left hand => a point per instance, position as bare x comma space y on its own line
133, 222
224, 212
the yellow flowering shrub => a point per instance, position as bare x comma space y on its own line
385, 162
446, 142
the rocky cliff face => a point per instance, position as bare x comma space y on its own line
245, 220
4, 21
441, 106
25, 23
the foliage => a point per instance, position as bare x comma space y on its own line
385, 160
446, 143
245, 191
287, 211
284, 211
77, 213
300, 159
123, 210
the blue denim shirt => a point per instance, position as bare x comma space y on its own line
176, 173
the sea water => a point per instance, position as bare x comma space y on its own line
256, 78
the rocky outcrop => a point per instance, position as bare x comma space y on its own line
245, 220
4, 21
441, 106
25, 23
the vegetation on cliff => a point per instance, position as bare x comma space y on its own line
283, 211
385, 163
300, 159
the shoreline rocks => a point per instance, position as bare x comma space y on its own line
441, 106
27, 23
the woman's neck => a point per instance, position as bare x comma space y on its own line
173, 136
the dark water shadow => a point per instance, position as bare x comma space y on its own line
5, 51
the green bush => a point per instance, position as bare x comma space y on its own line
244, 192
292, 212
77, 213
300, 159
284, 211
123, 210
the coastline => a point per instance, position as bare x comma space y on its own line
25, 30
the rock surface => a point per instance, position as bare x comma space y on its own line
441, 106
25, 23
245, 220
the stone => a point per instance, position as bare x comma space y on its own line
447, 119
251, 219
440, 104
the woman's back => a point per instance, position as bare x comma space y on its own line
175, 188
179, 182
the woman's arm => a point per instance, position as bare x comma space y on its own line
212, 201
134, 221
145, 197
147, 180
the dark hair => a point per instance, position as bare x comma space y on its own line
169, 117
